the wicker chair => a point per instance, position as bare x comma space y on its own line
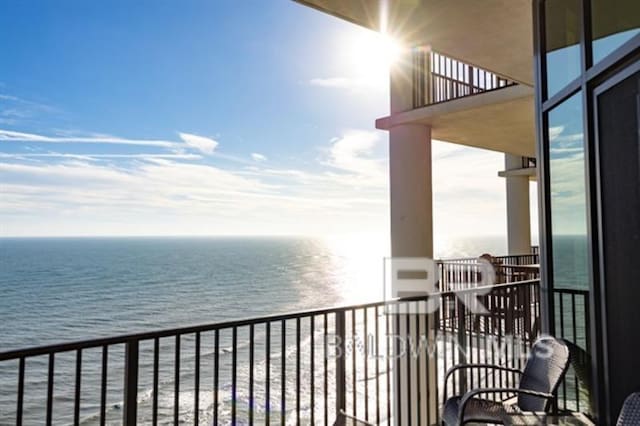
630, 413
545, 368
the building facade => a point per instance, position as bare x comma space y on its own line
588, 109
561, 84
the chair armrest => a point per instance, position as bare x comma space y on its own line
471, 366
471, 394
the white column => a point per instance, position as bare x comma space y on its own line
412, 236
411, 192
518, 215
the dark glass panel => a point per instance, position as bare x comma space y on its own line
613, 23
562, 29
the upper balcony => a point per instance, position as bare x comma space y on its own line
466, 104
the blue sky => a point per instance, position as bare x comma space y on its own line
205, 118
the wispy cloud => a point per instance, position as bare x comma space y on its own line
345, 190
12, 136
201, 143
15, 110
355, 152
101, 156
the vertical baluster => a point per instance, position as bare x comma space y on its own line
398, 366
234, 373
298, 370
366, 366
50, 388
312, 367
176, 384
354, 380
377, 361
283, 369
267, 379
430, 327
196, 384
575, 341
340, 335
76, 400
418, 375
156, 371
130, 412
216, 375
462, 342
388, 375
20, 392
408, 355
562, 335
103, 385
251, 373
326, 373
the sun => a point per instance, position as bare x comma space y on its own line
371, 55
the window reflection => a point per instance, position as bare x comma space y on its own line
563, 26
614, 23
568, 196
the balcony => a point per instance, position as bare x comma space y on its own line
303, 367
465, 104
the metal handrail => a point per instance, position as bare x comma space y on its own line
341, 321
200, 328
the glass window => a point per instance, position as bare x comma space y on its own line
568, 195
562, 29
614, 22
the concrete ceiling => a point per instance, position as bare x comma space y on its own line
501, 120
492, 34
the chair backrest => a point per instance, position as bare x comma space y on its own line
630, 413
545, 368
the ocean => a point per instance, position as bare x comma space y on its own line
63, 289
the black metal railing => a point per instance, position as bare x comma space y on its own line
572, 324
438, 78
456, 274
302, 368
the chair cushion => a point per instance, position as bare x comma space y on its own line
630, 414
479, 410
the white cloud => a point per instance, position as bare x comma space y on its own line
355, 152
76, 195
12, 136
201, 143
258, 157
170, 193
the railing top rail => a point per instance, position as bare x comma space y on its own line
469, 259
201, 328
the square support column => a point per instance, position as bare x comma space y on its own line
518, 214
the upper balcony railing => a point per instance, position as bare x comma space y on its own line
438, 78
456, 274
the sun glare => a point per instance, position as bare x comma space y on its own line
371, 54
